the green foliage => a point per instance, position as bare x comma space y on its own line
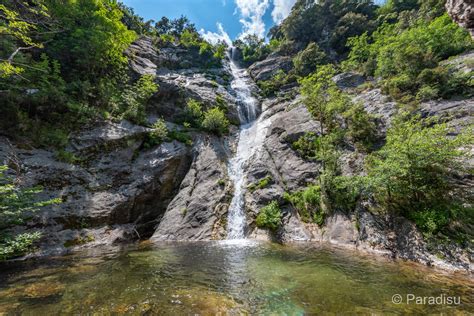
261, 184
190, 39
215, 121
400, 55
135, 22
48, 136
269, 216
19, 23
253, 48
361, 128
323, 98
308, 204
132, 101
316, 22
194, 112
309, 59
270, 86
180, 136
306, 146
93, 39
340, 119
67, 156
159, 133
16, 206
220, 51
176, 27
413, 172
11, 247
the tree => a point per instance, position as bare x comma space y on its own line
16, 205
323, 98
413, 174
253, 48
135, 22
309, 59
175, 27
19, 29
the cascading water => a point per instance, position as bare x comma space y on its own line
250, 137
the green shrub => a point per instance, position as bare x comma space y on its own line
427, 93
16, 206
11, 247
67, 156
341, 193
190, 39
308, 204
49, 136
158, 135
261, 184
413, 172
194, 112
133, 99
269, 87
253, 48
431, 221
181, 136
306, 146
160, 130
270, 216
361, 127
221, 104
401, 54
306, 61
215, 121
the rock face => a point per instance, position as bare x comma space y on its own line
265, 69
117, 187
120, 189
199, 210
462, 12
395, 237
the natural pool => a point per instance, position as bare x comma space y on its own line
208, 278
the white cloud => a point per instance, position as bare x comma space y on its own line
281, 10
215, 37
251, 16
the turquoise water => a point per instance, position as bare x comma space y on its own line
211, 278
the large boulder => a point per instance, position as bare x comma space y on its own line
266, 69
199, 210
116, 186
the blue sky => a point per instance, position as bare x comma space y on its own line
218, 18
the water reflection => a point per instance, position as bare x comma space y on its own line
231, 277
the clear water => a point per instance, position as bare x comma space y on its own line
229, 278
249, 141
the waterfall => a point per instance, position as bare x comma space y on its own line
250, 136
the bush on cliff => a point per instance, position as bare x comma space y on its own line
16, 206
414, 174
269, 216
215, 121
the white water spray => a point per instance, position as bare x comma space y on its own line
250, 137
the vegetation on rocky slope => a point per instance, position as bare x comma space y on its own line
63, 65
411, 171
16, 206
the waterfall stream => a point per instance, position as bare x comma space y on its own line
250, 136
